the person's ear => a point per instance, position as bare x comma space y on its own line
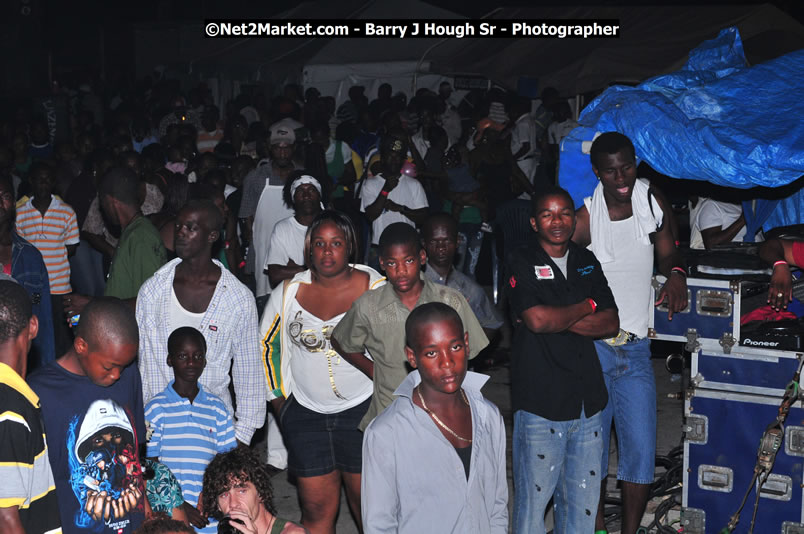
466, 342
213, 236
33, 327
410, 356
422, 256
534, 225
80, 345
169, 361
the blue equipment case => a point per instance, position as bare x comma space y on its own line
745, 370
722, 434
707, 321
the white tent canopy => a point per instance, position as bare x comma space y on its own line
370, 62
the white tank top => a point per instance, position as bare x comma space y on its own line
322, 380
629, 277
181, 317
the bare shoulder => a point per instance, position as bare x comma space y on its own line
360, 279
661, 199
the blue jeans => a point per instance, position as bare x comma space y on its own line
632, 404
561, 457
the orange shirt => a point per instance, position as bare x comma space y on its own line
51, 234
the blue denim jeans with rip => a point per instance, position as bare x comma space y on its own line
559, 459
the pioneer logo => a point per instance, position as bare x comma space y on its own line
749, 341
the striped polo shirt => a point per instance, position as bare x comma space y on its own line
51, 234
186, 436
207, 141
27, 480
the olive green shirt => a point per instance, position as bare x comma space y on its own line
376, 321
137, 257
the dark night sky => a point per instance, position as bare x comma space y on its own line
71, 31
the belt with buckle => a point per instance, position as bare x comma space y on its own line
621, 338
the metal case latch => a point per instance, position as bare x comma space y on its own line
788, 527
692, 344
727, 341
693, 520
696, 429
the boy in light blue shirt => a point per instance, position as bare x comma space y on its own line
190, 426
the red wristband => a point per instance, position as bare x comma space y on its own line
384, 193
593, 304
679, 270
782, 262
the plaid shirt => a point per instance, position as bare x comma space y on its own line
230, 328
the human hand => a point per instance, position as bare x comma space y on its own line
780, 292
241, 521
74, 304
100, 506
391, 183
194, 515
390, 205
276, 407
674, 292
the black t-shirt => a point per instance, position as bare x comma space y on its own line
555, 375
93, 437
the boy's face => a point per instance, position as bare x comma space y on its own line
440, 355
188, 360
104, 364
402, 265
554, 222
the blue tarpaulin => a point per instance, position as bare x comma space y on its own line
716, 120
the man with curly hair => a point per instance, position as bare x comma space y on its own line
237, 490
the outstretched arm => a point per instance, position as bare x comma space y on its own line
719, 235
668, 257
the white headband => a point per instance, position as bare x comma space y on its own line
304, 179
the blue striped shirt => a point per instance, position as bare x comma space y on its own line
186, 436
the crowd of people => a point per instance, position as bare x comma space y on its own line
176, 279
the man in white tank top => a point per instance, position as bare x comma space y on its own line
625, 225
195, 290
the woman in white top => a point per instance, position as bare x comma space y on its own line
319, 397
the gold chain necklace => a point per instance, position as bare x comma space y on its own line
437, 420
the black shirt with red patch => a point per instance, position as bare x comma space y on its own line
555, 375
